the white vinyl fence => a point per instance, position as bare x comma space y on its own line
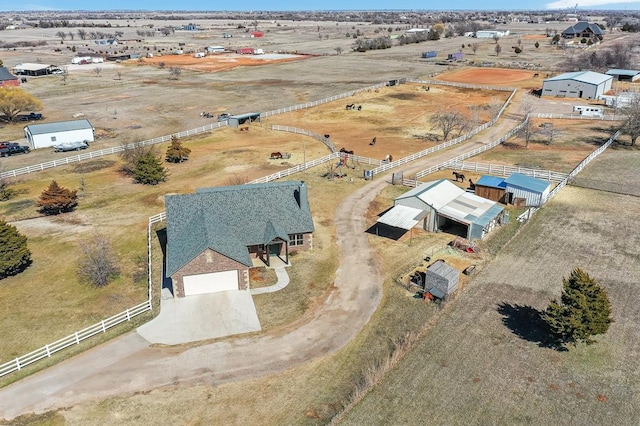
527, 214
314, 135
108, 151
502, 170
606, 117
459, 139
104, 325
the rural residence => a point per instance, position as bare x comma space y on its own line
583, 29
216, 234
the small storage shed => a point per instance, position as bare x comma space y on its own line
533, 190
240, 119
491, 188
624, 75
441, 279
61, 132
8, 79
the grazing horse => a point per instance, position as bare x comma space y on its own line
350, 106
459, 176
472, 185
276, 155
388, 158
346, 151
359, 107
327, 136
373, 142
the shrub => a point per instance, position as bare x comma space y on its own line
15, 256
56, 199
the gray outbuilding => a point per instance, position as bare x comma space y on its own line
533, 191
61, 132
441, 279
581, 84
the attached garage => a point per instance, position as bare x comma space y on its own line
210, 283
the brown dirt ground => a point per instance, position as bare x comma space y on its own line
214, 63
486, 76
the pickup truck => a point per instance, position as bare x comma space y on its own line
29, 117
13, 149
71, 146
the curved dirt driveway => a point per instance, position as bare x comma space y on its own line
126, 364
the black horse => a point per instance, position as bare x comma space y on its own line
459, 177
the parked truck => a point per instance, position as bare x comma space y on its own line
11, 148
454, 56
429, 54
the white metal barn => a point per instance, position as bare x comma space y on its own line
534, 191
580, 84
491, 33
443, 206
61, 132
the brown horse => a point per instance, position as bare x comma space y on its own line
346, 151
459, 176
276, 155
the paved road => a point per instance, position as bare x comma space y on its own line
127, 364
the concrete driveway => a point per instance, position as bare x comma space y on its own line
201, 317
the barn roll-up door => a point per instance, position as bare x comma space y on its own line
210, 283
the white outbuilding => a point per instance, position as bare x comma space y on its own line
580, 84
61, 132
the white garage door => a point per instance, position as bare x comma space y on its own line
210, 283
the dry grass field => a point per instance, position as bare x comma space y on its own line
110, 203
487, 360
457, 373
616, 170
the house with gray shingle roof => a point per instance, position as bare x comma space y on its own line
583, 29
215, 235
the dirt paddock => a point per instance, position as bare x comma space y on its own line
486, 76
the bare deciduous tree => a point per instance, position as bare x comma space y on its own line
474, 47
498, 49
119, 74
338, 50
175, 73
528, 131
494, 106
98, 263
97, 70
631, 125
62, 35
71, 35
448, 122
82, 33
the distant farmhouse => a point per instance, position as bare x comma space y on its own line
8, 79
581, 84
583, 29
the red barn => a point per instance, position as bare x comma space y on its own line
245, 51
8, 79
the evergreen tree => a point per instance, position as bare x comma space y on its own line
176, 153
56, 199
584, 310
149, 170
14, 253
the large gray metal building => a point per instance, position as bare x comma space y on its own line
580, 84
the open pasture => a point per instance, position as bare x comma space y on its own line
487, 359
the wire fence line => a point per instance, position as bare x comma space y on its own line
462, 85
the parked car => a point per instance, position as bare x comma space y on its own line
71, 146
14, 149
29, 117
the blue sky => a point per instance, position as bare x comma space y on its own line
248, 5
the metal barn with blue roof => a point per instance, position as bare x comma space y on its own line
492, 188
580, 84
534, 191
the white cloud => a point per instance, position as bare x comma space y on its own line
566, 4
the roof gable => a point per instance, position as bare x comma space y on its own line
583, 76
60, 126
6, 75
436, 193
228, 219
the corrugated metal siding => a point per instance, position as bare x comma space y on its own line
533, 198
